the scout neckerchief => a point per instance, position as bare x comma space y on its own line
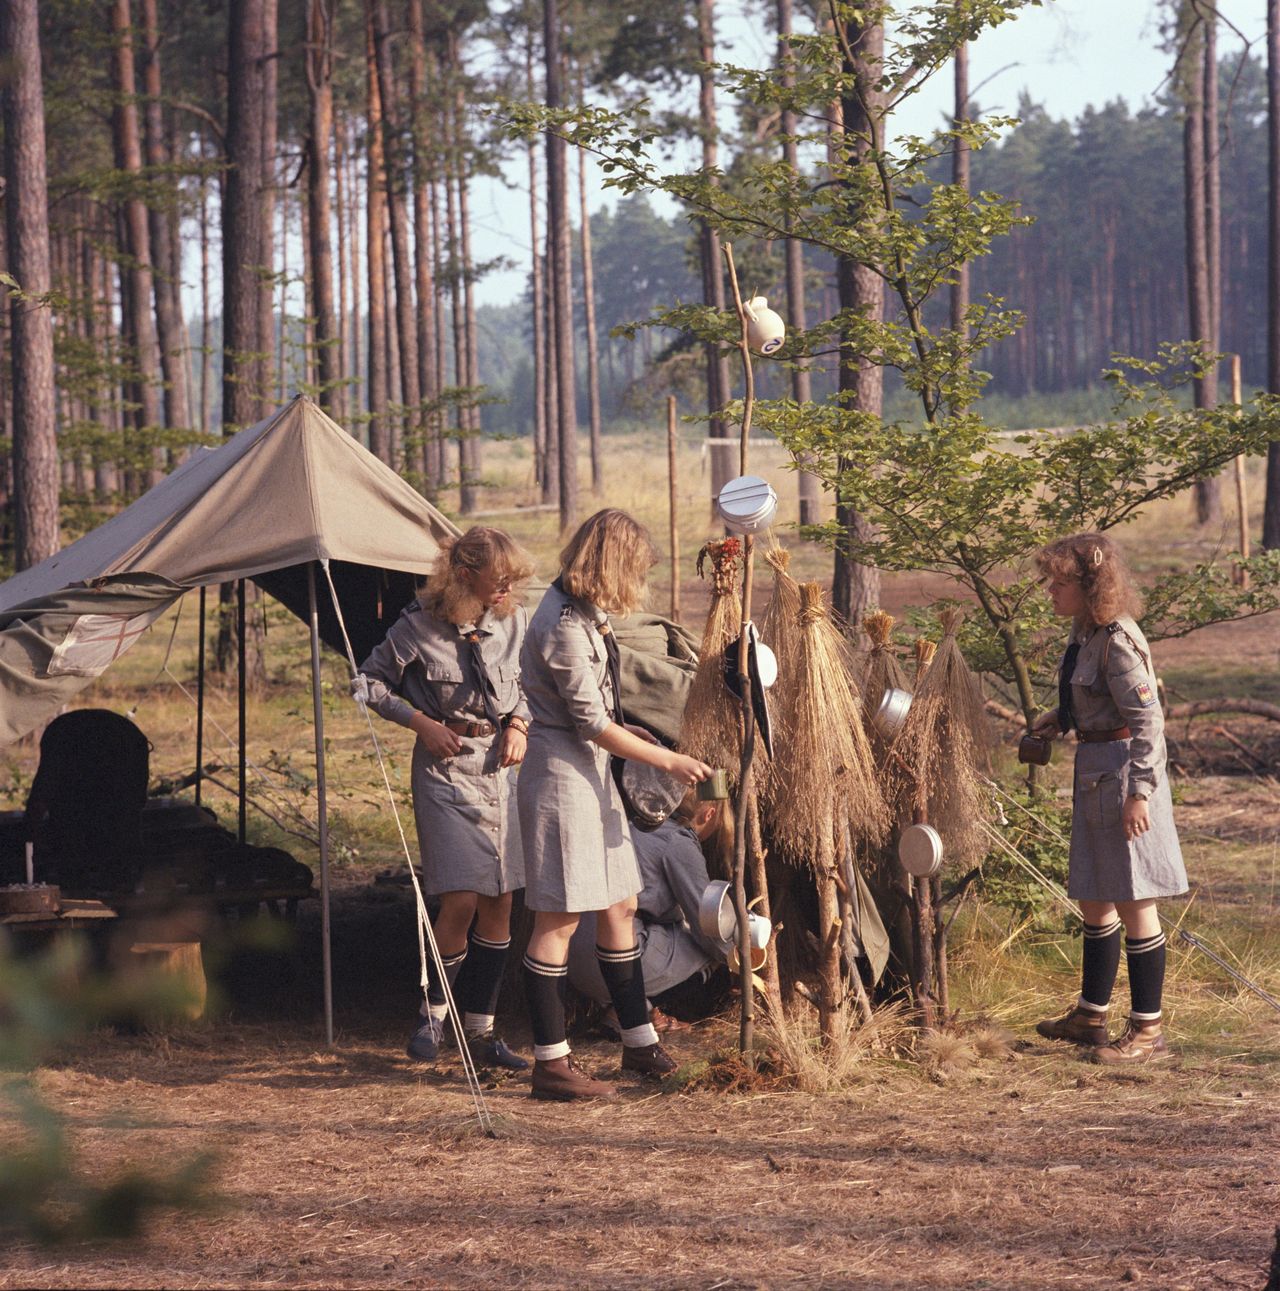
488, 694
1066, 713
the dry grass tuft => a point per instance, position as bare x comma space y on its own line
945, 744
992, 1042
817, 1068
829, 774
946, 1054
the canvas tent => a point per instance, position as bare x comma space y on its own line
267, 505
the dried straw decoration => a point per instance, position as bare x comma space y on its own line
710, 727
946, 742
780, 631
883, 671
825, 771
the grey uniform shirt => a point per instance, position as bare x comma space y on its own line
424, 665
1114, 685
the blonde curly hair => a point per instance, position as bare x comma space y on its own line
448, 591
1095, 562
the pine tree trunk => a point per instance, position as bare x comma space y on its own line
427, 322
537, 286
396, 161
589, 314
1208, 493
1271, 513
271, 343
801, 387
136, 239
471, 441
723, 456
380, 440
551, 460
319, 65
177, 400
855, 587
243, 211
960, 178
566, 420
357, 322
345, 357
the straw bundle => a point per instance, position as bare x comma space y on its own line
945, 743
883, 671
710, 727
780, 626
825, 770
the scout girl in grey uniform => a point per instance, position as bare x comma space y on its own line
578, 852
1124, 847
449, 670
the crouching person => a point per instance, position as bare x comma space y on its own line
449, 670
683, 969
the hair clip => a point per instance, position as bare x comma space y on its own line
1097, 555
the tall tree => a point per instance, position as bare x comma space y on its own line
380, 439
270, 368
396, 162
589, 323
855, 587
560, 272
718, 388
960, 165
537, 289
801, 385
1192, 78
136, 262
35, 449
165, 252
424, 274
319, 65
1271, 516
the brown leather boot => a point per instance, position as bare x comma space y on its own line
1140, 1042
562, 1080
1079, 1026
651, 1061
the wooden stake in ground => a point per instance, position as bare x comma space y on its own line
672, 505
1242, 506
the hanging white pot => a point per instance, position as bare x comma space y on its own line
748, 504
920, 851
766, 331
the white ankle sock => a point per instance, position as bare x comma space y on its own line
550, 1052
475, 1024
639, 1037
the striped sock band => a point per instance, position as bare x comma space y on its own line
544, 988
1146, 957
436, 1006
481, 980
1100, 964
625, 979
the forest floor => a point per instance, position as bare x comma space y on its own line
989, 1159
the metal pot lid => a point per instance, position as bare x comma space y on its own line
715, 912
920, 851
895, 704
747, 503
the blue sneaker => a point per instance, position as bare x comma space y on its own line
489, 1050
424, 1043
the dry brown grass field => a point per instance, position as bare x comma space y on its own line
986, 1159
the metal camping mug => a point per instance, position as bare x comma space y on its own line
1035, 750
715, 788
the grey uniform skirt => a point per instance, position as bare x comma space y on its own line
1105, 866
468, 830
578, 853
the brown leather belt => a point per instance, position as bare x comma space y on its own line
472, 730
1104, 737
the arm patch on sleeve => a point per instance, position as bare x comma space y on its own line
1144, 694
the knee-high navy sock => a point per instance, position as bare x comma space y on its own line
624, 977
479, 983
1146, 958
544, 989
1101, 964
436, 1004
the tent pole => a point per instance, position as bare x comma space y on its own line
240, 657
321, 805
200, 700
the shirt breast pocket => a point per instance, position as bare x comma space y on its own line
506, 682
448, 684
1086, 675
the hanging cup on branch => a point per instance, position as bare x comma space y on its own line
747, 504
766, 331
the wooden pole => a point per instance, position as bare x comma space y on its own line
200, 698
672, 494
317, 708
240, 660
747, 724
1242, 506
